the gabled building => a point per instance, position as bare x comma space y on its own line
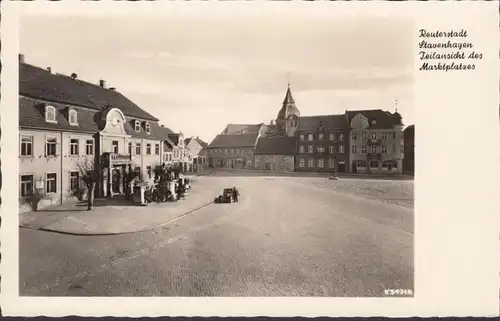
238, 129
323, 144
376, 138
198, 150
232, 151
276, 153
65, 122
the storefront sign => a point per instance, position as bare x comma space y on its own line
374, 155
111, 159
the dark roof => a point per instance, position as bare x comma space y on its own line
232, 129
383, 119
40, 83
31, 115
276, 146
288, 97
288, 108
311, 123
174, 138
234, 141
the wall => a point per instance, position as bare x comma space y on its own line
226, 157
280, 163
326, 155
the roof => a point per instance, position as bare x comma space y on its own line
288, 107
234, 141
31, 115
174, 138
232, 129
311, 123
40, 83
383, 119
202, 143
283, 145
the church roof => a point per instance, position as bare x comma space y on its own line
288, 107
234, 141
278, 145
288, 97
232, 129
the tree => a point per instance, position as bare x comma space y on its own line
90, 176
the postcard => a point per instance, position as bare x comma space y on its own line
250, 158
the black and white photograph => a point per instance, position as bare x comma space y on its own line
232, 155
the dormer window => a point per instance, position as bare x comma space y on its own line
137, 126
73, 117
148, 128
50, 114
374, 122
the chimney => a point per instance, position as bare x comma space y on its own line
102, 83
112, 88
163, 126
197, 137
49, 69
21, 58
74, 76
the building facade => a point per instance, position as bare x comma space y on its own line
68, 126
376, 138
198, 151
234, 151
409, 148
275, 154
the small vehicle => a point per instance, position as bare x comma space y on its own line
228, 196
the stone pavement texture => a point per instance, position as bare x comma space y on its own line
118, 217
284, 238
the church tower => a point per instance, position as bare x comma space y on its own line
288, 116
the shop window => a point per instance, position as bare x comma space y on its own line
26, 185
51, 183
74, 179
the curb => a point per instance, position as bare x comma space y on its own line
118, 233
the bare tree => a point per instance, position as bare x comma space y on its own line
90, 176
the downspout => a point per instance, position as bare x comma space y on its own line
142, 158
62, 169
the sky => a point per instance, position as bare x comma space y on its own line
199, 73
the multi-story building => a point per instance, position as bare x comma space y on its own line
376, 139
198, 150
409, 148
276, 153
176, 152
323, 144
67, 124
232, 151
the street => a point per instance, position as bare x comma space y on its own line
286, 236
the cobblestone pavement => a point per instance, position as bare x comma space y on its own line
284, 238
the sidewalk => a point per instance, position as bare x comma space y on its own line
111, 217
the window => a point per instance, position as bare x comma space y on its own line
148, 149
115, 146
150, 172
331, 149
282, 166
310, 163
50, 114
301, 149
363, 135
384, 149
138, 149
331, 163
384, 135
310, 149
373, 164
321, 163
310, 137
89, 147
374, 136
302, 137
353, 148
373, 149
74, 178
321, 149
301, 162
51, 146
148, 128
26, 185
157, 149
393, 135
73, 146
320, 136
341, 149
331, 136
137, 126
51, 183
363, 149
353, 135
26, 145
130, 148
341, 136
73, 119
